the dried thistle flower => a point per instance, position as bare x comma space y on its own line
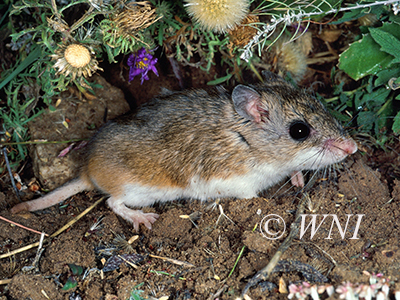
136, 16
241, 34
75, 59
217, 15
290, 56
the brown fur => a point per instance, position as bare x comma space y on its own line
205, 135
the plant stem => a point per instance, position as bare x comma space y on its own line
292, 17
38, 142
11, 174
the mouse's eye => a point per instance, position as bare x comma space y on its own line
299, 131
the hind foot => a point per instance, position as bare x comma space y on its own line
136, 217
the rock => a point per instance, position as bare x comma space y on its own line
73, 119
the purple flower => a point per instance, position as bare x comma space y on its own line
141, 63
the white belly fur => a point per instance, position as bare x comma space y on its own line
243, 186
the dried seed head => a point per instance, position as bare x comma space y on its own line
218, 15
241, 34
123, 244
290, 57
77, 56
135, 17
75, 59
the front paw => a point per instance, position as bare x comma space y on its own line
297, 178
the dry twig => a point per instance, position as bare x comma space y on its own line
65, 227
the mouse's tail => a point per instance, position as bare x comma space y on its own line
59, 194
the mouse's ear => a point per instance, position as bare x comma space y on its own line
247, 103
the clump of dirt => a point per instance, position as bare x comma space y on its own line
33, 287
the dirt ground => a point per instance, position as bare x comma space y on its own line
208, 247
192, 250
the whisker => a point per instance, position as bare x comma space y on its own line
282, 186
314, 161
315, 157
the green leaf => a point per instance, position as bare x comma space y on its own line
396, 124
76, 270
33, 56
70, 3
341, 117
385, 75
394, 18
135, 293
350, 16
387, 41
364, 58
396, 84
376, 98
365, 121
360, 12
392, 28
220, 80
71, 283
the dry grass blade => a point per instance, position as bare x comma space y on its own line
5, 281
128, 262
174, 261
65, 227
19, 225
77, 218
25, 248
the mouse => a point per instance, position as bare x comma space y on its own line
206, 144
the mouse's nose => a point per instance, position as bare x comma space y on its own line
349, 146
341, 147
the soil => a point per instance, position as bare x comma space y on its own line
210, 243
195, 251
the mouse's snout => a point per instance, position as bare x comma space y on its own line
341, 147
349, 146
